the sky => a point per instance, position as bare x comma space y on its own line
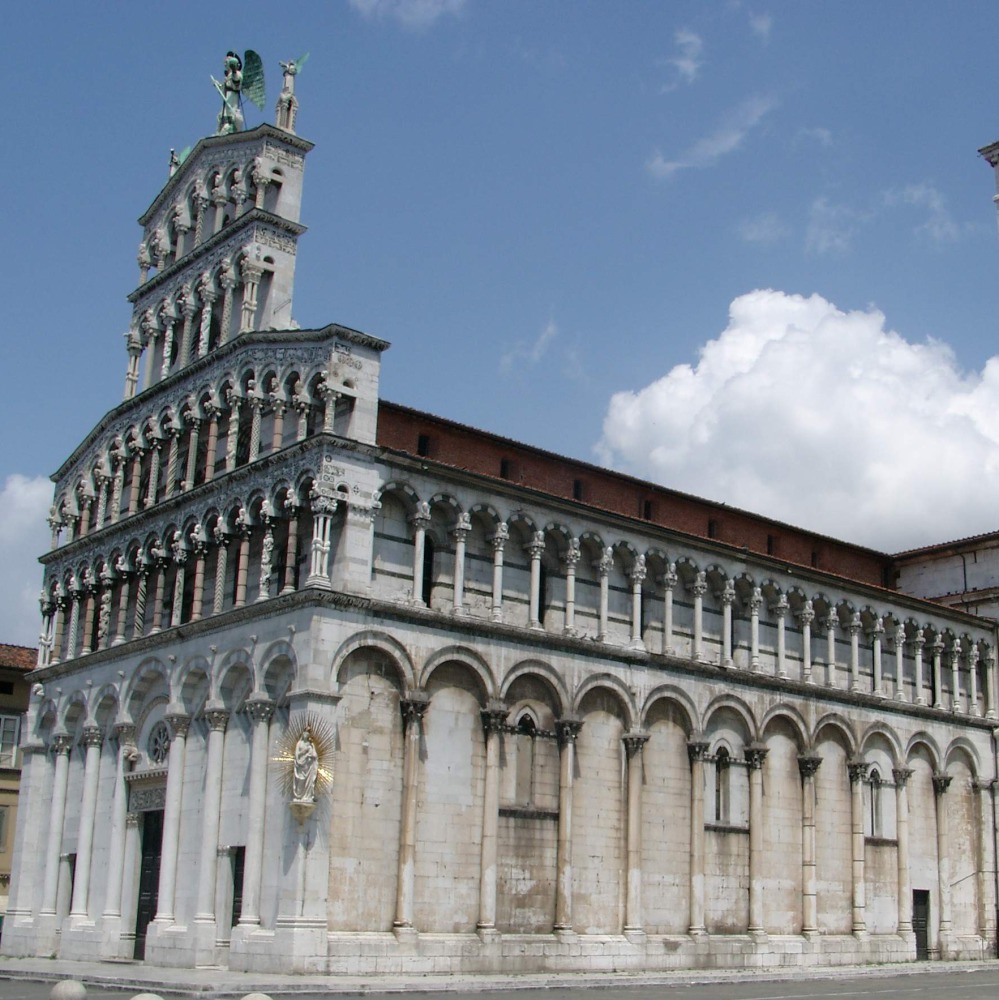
745, 249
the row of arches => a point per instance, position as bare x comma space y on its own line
508, 763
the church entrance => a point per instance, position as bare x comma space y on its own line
921, 921
149, 877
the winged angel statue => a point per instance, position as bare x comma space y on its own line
242, 76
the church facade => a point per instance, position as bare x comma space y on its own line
326, 684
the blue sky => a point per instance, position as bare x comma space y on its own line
563, 216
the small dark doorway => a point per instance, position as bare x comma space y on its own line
149, 877
921, 922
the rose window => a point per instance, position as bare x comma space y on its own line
158, 744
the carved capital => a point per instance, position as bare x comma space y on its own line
413, 707
61, 743
941, 782
260, 710
697, 750
901, 775
179, 725
218, 719
91, 736
755, 754
808, 764
493, 719
633, 742
567, 730
857, 769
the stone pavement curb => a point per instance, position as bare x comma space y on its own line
209, 983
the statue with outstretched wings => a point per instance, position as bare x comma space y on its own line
242, 76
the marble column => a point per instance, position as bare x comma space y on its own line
260, 712
698, 589
938, 648
571, 562
633, 745
243, 565
901, 776
535, 549
212, 413
831, 624
127, 754
604, 566
179, 725
92, 740
291, 549
806, 616
755, 606
211, 803
858, 772
669, 582
855, 627
918, 641
413, 708
955, 676
779, 609
637, 578
697, 750
420, 522
568, 731
900, 663
808, 764
199, 543
756, 754
990, 683
941, 782
973, 655
727, 598
986, 858
493, 720
461, 530
61, 745
499, 540
877, 630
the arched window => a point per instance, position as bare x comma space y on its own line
877, 829
526, 735
722, 785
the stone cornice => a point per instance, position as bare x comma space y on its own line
182, 176
369, 609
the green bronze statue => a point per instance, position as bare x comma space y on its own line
242, 76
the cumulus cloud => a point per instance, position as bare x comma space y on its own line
725, 139
24, 536
824, 419
686, 63
409, 13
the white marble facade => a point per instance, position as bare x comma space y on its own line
547, 738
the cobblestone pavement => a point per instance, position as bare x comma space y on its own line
22, 980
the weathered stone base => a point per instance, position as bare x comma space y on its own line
419, 954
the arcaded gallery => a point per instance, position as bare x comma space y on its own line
327, 684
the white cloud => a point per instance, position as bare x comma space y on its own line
24, 536
528, 354
831, 228
410, 13
938, 225
727, 138
687, 62
765, 230
823, 419
761, 26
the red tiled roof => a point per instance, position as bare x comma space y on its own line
20, 657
